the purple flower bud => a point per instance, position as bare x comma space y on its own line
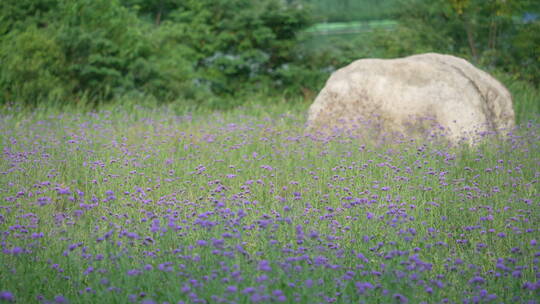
16, 250
477, 280
7, 296
88, 270
362, 287
264, 265
59, 299
400, 298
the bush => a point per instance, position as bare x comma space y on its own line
22, 14
492, 35
239, 43
33, 68
96, 50
102, 43
168, 73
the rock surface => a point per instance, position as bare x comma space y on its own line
409, 95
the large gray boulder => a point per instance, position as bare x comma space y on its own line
410, 95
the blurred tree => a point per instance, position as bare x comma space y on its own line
100, 40
352, 10
491, 33
154, 10
239, 42
20, 14
89, 49
33, 67
168, 49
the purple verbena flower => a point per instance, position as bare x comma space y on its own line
7, 296
400, 298
60, 299
362, 287
264, 265
477, 280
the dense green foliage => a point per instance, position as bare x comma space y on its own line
494, 34
501, 35
351, 10
218, 52
95, 50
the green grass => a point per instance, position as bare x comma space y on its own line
525, 96
194, 172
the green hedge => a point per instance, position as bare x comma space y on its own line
96, 50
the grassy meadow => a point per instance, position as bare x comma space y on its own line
136, 204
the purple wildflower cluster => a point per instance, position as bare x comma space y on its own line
107, 207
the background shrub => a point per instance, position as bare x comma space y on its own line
216, 52
33, 67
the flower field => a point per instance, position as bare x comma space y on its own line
146, 206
